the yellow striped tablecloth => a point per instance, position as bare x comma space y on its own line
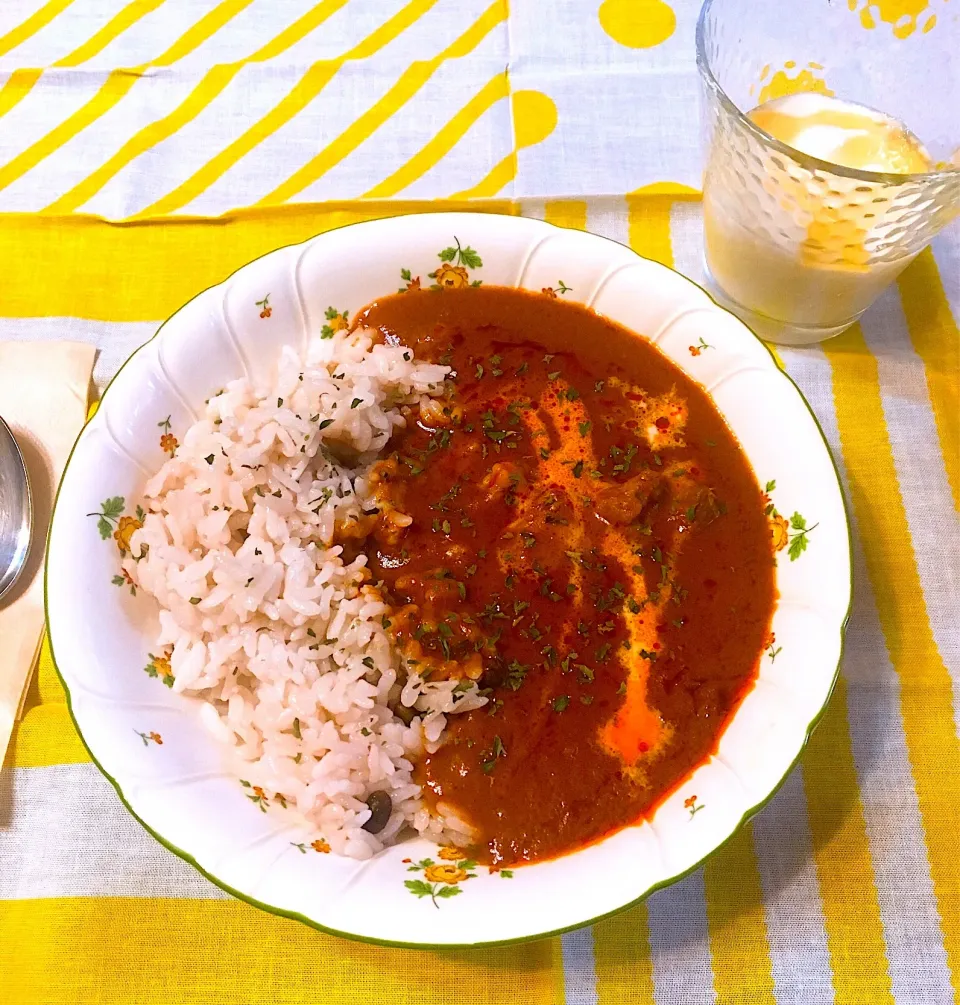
846, 888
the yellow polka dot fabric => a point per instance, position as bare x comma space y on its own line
139, 136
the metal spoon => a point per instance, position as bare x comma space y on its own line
16, 510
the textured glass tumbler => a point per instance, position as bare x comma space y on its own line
797, 247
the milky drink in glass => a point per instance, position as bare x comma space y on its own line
814, 199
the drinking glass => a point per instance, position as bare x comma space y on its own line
796, 246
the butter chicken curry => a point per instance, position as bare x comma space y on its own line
588, 540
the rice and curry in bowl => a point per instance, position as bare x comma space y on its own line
475, 565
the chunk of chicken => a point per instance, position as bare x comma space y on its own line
623, 503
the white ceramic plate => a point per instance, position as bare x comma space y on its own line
169, 771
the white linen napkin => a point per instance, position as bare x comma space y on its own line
44, 388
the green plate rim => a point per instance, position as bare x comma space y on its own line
492, 943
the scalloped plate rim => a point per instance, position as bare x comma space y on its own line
186, 856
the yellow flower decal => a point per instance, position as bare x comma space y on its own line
793, 532
449, 874
452, 273
159, 666
337, 321
779, 531
452, 277
125, 530
111, 522
440, 881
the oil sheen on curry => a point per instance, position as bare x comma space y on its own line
589, 542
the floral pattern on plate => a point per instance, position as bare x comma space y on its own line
111, 522
453, 273
792, 534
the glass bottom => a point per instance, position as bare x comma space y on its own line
771, 329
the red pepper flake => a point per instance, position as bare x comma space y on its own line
662, 423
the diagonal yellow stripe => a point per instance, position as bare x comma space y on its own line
297, 30
926, 696
739, 950
444, 141
195, 36
28, 28
494, 181
16, 88
212, 84
841, 850
622, 961
409, 83
117, 25
306, 89
936, 340
117, 84
239, 954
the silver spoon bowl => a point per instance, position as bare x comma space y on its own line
16, 510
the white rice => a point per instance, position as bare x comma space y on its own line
260, 615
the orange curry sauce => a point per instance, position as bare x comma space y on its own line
589, 541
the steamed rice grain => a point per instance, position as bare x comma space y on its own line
263, 615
